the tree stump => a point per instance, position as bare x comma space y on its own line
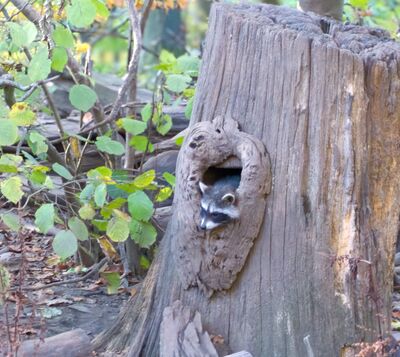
324, 99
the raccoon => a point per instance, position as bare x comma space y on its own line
219, 202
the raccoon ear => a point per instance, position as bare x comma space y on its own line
203, 186
229, 198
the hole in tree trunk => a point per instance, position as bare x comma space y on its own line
230, 167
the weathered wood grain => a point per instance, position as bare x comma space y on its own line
325, 101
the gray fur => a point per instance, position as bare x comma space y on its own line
218, 202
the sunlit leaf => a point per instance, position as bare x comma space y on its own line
118, 229
145, 179
87, 212
171, 179
164, 194
11, 188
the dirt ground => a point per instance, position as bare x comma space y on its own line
33, 308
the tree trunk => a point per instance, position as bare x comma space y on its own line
326, 104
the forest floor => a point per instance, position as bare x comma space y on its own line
39, 303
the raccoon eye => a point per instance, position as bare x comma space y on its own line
229, 198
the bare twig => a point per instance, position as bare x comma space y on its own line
95, 268
131, 77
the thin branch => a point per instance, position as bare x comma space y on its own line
95, 268
130, 79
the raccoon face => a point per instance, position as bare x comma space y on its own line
217, 205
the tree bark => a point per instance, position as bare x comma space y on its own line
325, 103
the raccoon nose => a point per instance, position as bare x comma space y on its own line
203, 227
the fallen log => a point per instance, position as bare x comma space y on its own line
75, 343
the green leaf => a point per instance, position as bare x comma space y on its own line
39, 66
133, 126
100, 194
37, 143
143, 233
145, 179
31, 32
361, 4
113, 147
177, 82
164, 194
37, 177
167, 57
10, 163
11, 188
62, 37
101, 8
164, 124
87, 193
108, 209
100, 224
59, 59
140, 206
22, 115
78, 228
44, 217
62, 171
171, 179
179, 140
140, 143
188, 65
144, 262
18, 34
65, 244
100, 173
113, 281
189, 108
87, 212
146, 112
81, 13
82, 97
118, 229
9, 132
11, 220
